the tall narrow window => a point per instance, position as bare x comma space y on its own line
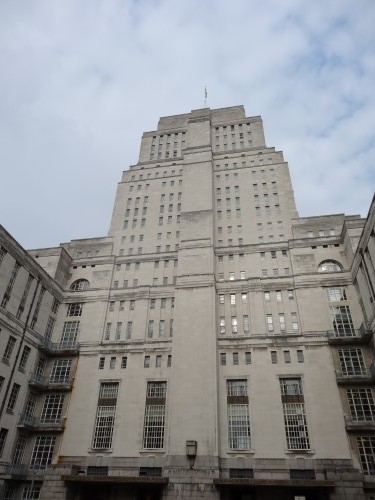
270, 322
246, 325
105, 415
25, 294
295, 422
222, 325
342, 321
69, 334
10, 284
234, 324
150, 329
49, 328
154, 423
9, 349
129, 329
3, 437
282, 322
238, 415
24, 357
161, 328
37, 307
19, 450
13, 398
295, 326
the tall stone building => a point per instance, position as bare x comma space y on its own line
213, 345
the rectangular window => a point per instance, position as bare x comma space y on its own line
3, 437
232, 299
295, 422
129, 330
248, 358
154, 421
25, 294
295, 326
267, 296
19, 450
234, 324
124, 361
366, 448
169, 360
282, 322
270, 322
352, 361
336, 294
290, 294
161, 328
69, 334
105, 415
300, 356
246, 325
221, 299
235, 358
118, 330
9, 349
146, 362
13, 398
238, 415
150, 329
223, 358
74, 309
158, 361
278, 295
107, 332
112, 362
101, 363
342, 321
50, 327
42, 453
24, 357
274, 357
222, 326
52, 409
287, 357
10, 284
361, 404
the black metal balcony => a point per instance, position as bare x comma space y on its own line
59, 349
36, 424
63, 383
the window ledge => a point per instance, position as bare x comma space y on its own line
250, 451
145, 451
299, 452
106, 451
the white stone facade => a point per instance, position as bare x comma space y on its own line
213, 345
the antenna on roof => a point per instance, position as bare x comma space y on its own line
205, 96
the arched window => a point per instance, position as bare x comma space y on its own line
79, 285
329, 266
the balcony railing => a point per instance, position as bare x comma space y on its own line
60, 348
356, 337
359, 425
64, 381
361, 377
23, 470
38, 424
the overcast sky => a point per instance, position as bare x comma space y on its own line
80, 80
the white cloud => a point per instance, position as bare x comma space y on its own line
81, 80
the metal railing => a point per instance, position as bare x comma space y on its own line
59, 347
36, 378
38, 423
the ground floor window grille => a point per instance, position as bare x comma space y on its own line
361, 404
60, 371
154, 423
238, 415
366, 448
295, 422
31, 491
105, 415
42, 452
53, 405
352, 361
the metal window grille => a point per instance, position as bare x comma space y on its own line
105, 416
55, 306
75, 309
9, 349
291, 387
366, 448
352, 361
13, 397
297, 435
60, 372
19, 450
32, 491
42, 452
150, 471
241, 473
361, 404
69, 334
154, 422
302, 474
238, 426
342, 320
237, 388
52, 409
